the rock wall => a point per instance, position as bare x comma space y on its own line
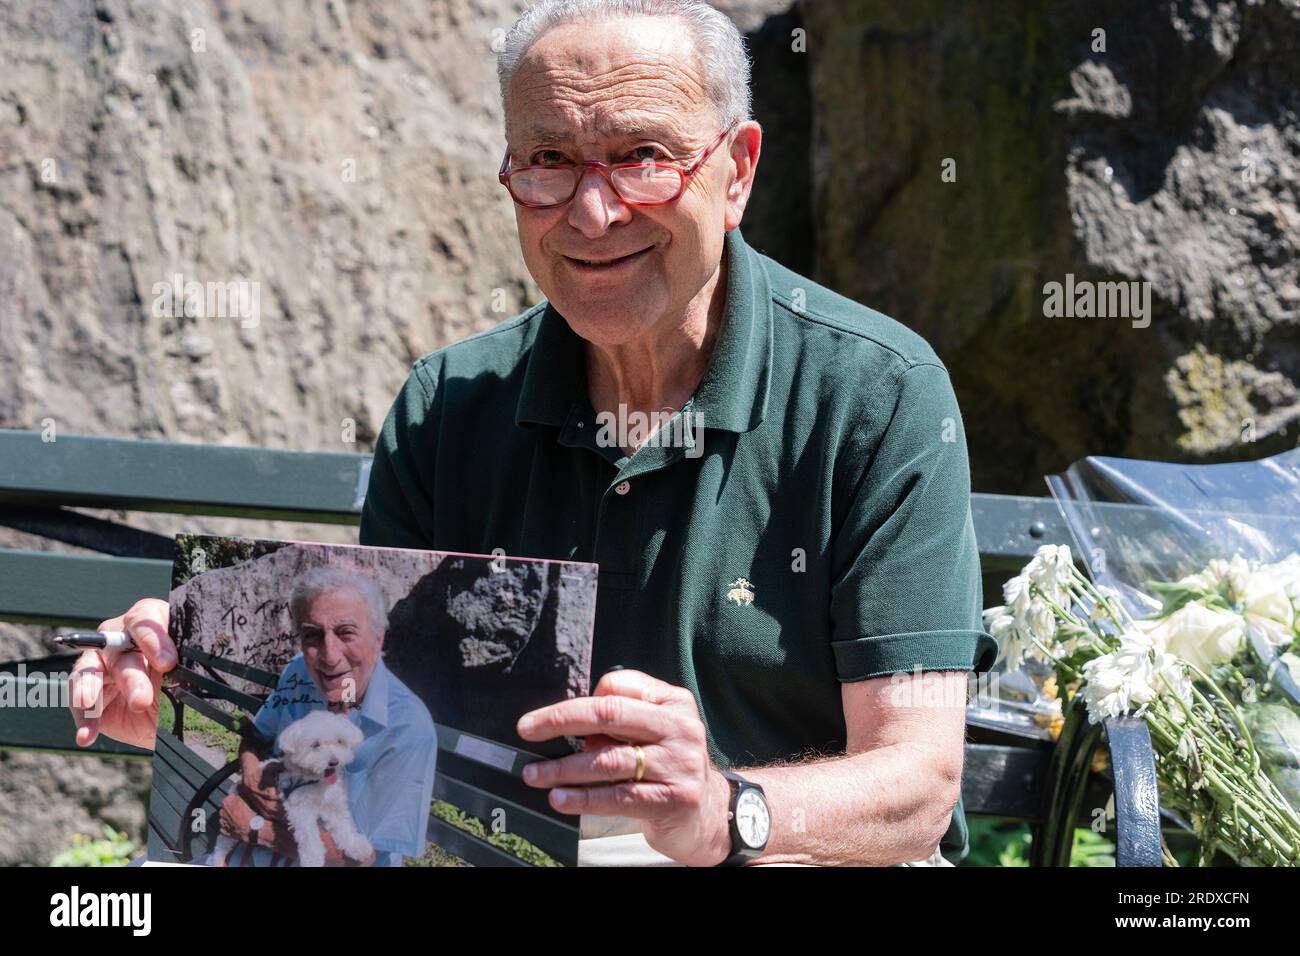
338, 155
1108, 141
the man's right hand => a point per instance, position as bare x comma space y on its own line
116, 692
258, 789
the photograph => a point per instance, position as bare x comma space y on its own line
317, 684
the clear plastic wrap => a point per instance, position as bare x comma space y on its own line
1135, 521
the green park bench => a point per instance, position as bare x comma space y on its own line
1013, 771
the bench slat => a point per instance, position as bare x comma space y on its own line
548, 835
468, 847
167, 791
41, 587
49, 727
187, 764
134, 475
193, 680
1010, 528
178, 773
1004, 781
234, 668
169, 796
206, 709
166, 804
159, 849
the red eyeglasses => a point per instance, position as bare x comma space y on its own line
638, 184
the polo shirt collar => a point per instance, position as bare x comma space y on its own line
733, 394
555, 379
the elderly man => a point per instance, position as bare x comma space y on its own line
340, 619
789, 598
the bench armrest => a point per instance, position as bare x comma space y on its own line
1137, 798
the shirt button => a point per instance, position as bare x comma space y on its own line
623, 487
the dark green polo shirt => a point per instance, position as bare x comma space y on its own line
831, 475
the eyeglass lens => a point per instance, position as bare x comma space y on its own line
643, 183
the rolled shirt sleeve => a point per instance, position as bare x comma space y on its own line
906, 592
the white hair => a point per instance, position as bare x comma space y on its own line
325, 579
719, 49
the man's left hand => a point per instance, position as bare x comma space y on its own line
681, 799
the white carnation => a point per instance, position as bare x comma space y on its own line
1041, 621
1051, 569
1129, 678
1016, 595
1013, 642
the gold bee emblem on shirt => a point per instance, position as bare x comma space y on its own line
742, 592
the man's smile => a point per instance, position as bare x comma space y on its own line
597, 266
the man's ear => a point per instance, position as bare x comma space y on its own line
744, 153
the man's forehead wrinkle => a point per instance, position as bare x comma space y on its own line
589, 130
615, 128
653, 105
677, 89
630, 115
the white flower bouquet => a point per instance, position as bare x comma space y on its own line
1212, 673
1188, 618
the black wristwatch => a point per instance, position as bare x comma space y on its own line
747, 818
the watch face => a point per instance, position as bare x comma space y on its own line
752, 820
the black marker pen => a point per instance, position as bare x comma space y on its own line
100, 640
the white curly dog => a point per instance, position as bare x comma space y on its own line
314, 750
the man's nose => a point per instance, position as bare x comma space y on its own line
595, 205
331, 647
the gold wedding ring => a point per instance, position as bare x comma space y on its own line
640, 765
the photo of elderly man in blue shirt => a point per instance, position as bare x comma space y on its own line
340, 618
